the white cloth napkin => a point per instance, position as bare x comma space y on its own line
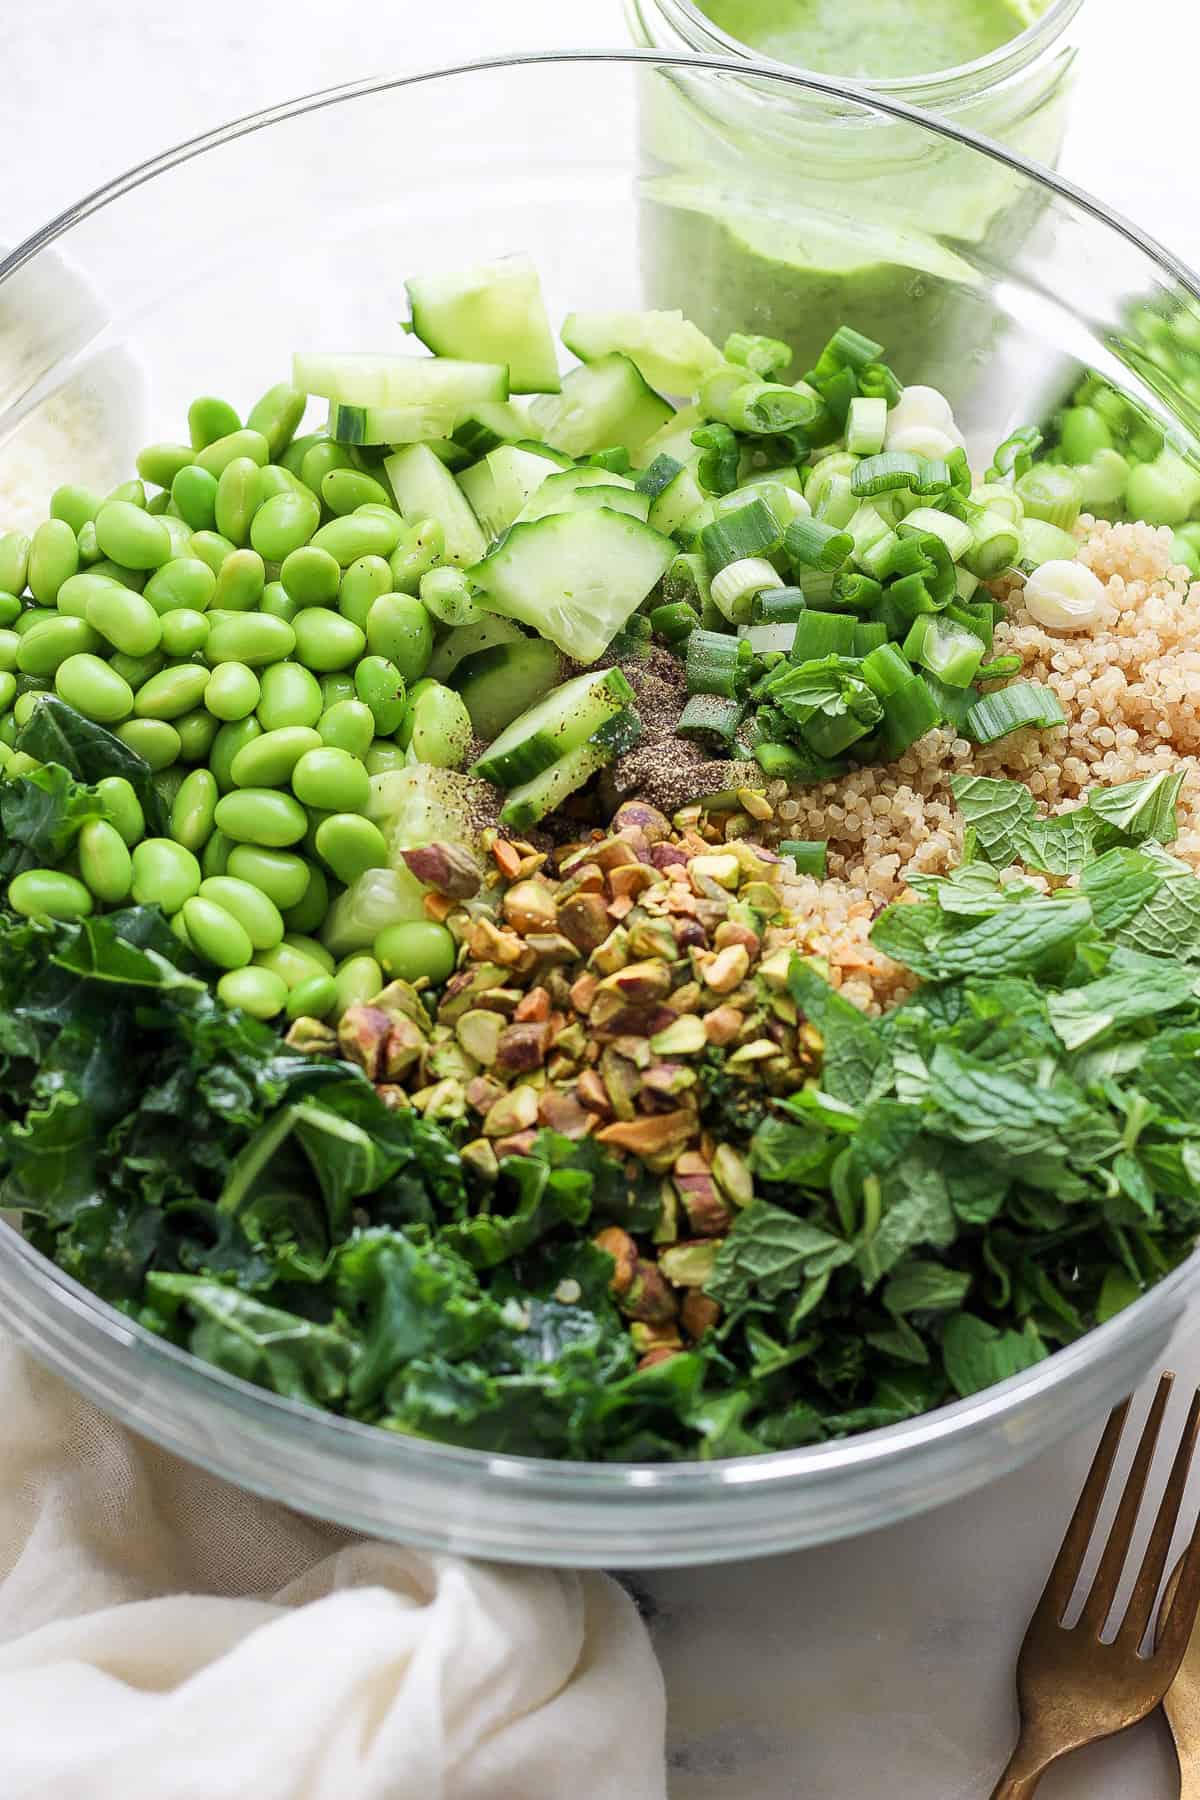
164, 1636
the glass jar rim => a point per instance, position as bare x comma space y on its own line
938, 87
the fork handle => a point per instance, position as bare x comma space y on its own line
1019, 1781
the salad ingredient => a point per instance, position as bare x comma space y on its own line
1064, 596
495, 311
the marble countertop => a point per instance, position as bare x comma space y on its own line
885, 1664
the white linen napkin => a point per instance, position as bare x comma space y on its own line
164, 1636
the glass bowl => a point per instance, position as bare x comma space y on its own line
200, 272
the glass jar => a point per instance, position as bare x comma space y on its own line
855, 221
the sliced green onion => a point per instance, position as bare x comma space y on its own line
954, 703
818, 586
822, 634
995, 544
965, 584
908, 714
950, 651
734, 587
837, 389
769, 640
978, 619
633, 639
717, 470
1042, 543
860, 593
813, 544
687, 579
998, 497
954, 533
877, 381
847, 349
762, 407
912, 596
960, 470
1051, 492
718, 664
866, 424
869, 634
660, 474
868, 527
790, 762
824, 471
906, 556
1012, 708
809, 856
837, 505
1103, 481
710, 716
763, 356
925, 475
778, 606
1015, 455
885, 670
674, 621
751, 531
998, 670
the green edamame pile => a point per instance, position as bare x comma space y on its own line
244, 616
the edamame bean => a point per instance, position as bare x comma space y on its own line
130, 536
128, 621
292, 966
268, 762
119, 800
179, 929
210, 419
158, 503
192, 813
440, 728
137, 670
239, 496
11, 608
131, 493
228, 741
419, 550
283, 524
159, 464
104, 861
214, 858
41, 650
357, 981
77, 590
278, 480
184, 631
312, 948
217, 456
155, 741
279, 874
293, 457
26, 704
348, 725
14, 561
240, 583
33, 615
343, 490
164, 873
212, 548
167, 783
233, 691
172, 692
319, 459
183, 582
179, 532
417, 949
253, 991
76, 506
255, 639
332, 779
89, 549
258, 916
311, 576
10, 643
310, 910
277, 415
360, 534
312, 999
87, 683
194, 492
53, 559
291, 695
400, 629
337, 687
362, 584
131, 578
277, 602
325, 641
197, 733
262, 816
49, 894
351, 845
20, 764
216, 935
380, 686
8, 689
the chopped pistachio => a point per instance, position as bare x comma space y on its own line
685, 1037
690, 1265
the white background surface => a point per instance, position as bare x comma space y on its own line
882, 1666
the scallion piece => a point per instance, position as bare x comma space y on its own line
718, 664
1024, 703
998, 670
925, 475
954, 703
735, 586
763, 356
960, 470
870, 634
859, 593
778, 606
710, 716
1015, 455
950, 651
813, 544
1041, 542
995, 544
674, 621
954, 533
885, 670
877, 381
769, 640
866, 424
965, 584
660, 474
908, 714
762, 407
809, 856
992, 496
977, 618
751, 531
822, 634
836, 505
838, 390
1053, 493
717, 470
847, 349
906, 556
912, 597
791, 763
687, 579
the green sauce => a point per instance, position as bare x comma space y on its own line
871, 40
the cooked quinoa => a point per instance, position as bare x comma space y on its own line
1131, 691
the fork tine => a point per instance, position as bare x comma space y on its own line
1098, 1604
1145, 1591
1060, 1583
1175, 1633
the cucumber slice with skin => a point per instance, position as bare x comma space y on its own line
601, 403
487, 425
516, 473
574, 577
389, 425
562, 721
500, 684
425, 489
670, 352
677, 501
530, 802
361, 378
583, 499
463, 641
675, 438
495, 310
479, 485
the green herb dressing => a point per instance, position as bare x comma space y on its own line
871, 40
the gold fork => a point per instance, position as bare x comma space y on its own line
1071, 1687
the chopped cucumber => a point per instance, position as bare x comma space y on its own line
360, 378
389, 424
425, 489
601, 403
500, 684
574, 577
463, 641
575, 489
674, 439
678, 500
530, 802
479, 485
670, 352
487, 425
517, 472
495, 310
562, 721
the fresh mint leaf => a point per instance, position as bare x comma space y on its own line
926, 1287
1119, 884
856, 1064
769, 1252
995, 810
978, 1354
1168, 923
916, 1212
1062, 845
1018, 940
1135, 987
1140, 809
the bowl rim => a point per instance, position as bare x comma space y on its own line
542, 1476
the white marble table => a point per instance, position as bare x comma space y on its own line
882, 1666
